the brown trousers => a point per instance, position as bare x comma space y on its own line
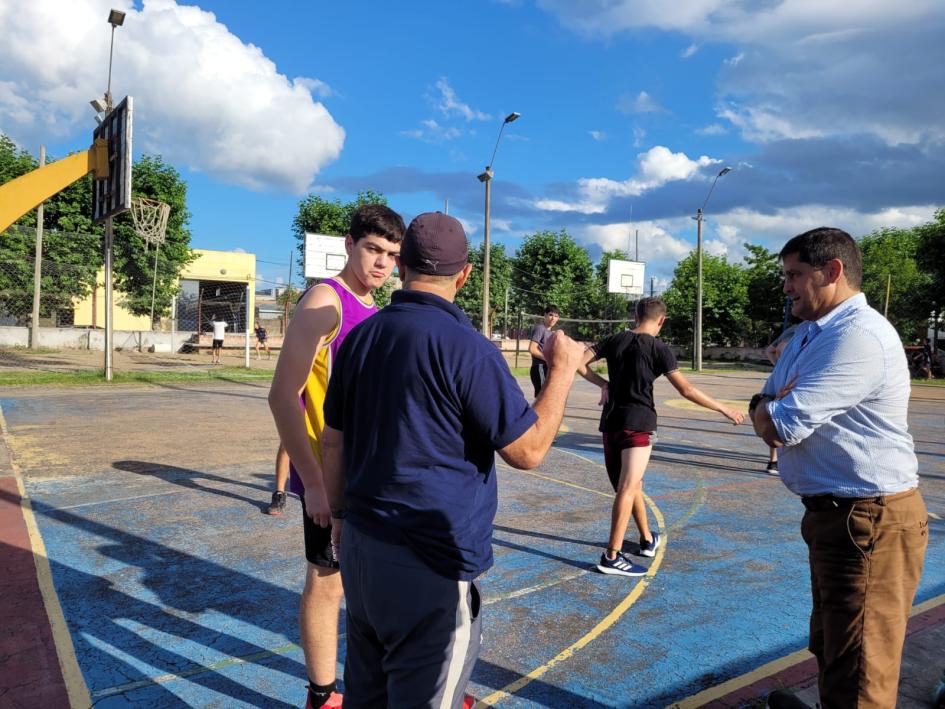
865, 563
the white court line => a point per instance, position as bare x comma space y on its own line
122, 499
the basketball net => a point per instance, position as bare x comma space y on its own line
150, 219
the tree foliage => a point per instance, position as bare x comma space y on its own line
469, 298
724, 302
551, 268
930, 256
765, 308
889, 258
135, 261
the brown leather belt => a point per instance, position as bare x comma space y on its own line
818, 503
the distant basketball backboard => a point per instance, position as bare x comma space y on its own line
325, 256
112, 195
625, 277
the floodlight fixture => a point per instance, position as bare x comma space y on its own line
99, 105
513, 116
116, 18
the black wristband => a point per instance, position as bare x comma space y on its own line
339, 514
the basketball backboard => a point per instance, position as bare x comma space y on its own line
325, 255
625, 277
112, 195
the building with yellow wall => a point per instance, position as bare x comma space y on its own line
215, 283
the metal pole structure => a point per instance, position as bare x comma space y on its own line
888, 288
486, 177
173, 324
652, 285
637, 239
246, 349
157, 249
109, 315
697, 330
487, 247
505, 319
446, 206
38, 263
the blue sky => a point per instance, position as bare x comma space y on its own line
829, 113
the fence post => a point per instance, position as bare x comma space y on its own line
38, 263
518, 338
246, 363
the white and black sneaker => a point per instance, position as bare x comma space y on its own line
648, 548
620, 566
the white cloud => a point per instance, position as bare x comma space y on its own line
689, 51
655, 167
315, 86
803, 68
597, 135
471, 227
203, 97
712, 129
449, 104
657, 244
432, 132
638, 135
641, 103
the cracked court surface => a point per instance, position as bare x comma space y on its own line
177, 591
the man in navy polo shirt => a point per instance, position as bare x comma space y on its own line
417, 406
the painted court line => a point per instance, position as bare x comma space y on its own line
605, 624
122, 499
65, 651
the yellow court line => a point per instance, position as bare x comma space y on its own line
608, 621
772, 668
76, 688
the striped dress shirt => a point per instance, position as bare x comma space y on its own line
844, 423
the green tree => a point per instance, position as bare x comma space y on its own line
152, 178
724, 302
930, 256
765, 309
317, 215
469, 298
889, 257
550, 267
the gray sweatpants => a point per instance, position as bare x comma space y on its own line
413, 636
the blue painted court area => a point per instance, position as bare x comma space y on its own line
178, 591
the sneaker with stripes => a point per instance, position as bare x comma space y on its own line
620, 565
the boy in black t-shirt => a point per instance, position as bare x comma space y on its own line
635, 358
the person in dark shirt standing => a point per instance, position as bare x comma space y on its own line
540, 333
635, 359
418, 404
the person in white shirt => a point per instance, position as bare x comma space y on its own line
219, 330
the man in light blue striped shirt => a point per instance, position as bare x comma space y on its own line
836, 407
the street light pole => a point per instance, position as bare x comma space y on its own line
697, 330
486, 178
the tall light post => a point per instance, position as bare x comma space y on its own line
697, 331
116, 18
486, 177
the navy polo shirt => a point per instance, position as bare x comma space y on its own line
424, 402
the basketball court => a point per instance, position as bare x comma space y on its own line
172, 588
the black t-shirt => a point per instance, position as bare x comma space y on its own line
634, 361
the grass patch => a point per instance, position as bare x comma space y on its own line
95, 377
929, 382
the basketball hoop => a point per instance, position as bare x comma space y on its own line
150, 219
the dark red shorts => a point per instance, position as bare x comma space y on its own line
616, 441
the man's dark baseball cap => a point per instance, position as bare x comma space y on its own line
435, 244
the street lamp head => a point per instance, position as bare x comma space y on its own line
513, 116
725, 171
485, 176
116, 18
98, 105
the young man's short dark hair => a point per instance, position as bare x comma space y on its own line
650, 308
818, 246
552, 310
377, 219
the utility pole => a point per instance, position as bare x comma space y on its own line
637, 254
38, 263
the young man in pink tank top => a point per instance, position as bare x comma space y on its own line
325, 314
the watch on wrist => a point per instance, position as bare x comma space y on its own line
756, 400
339, 514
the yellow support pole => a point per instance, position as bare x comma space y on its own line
28, 191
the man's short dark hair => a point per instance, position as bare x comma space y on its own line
377, 219
651, 308
552, 310
818, 246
